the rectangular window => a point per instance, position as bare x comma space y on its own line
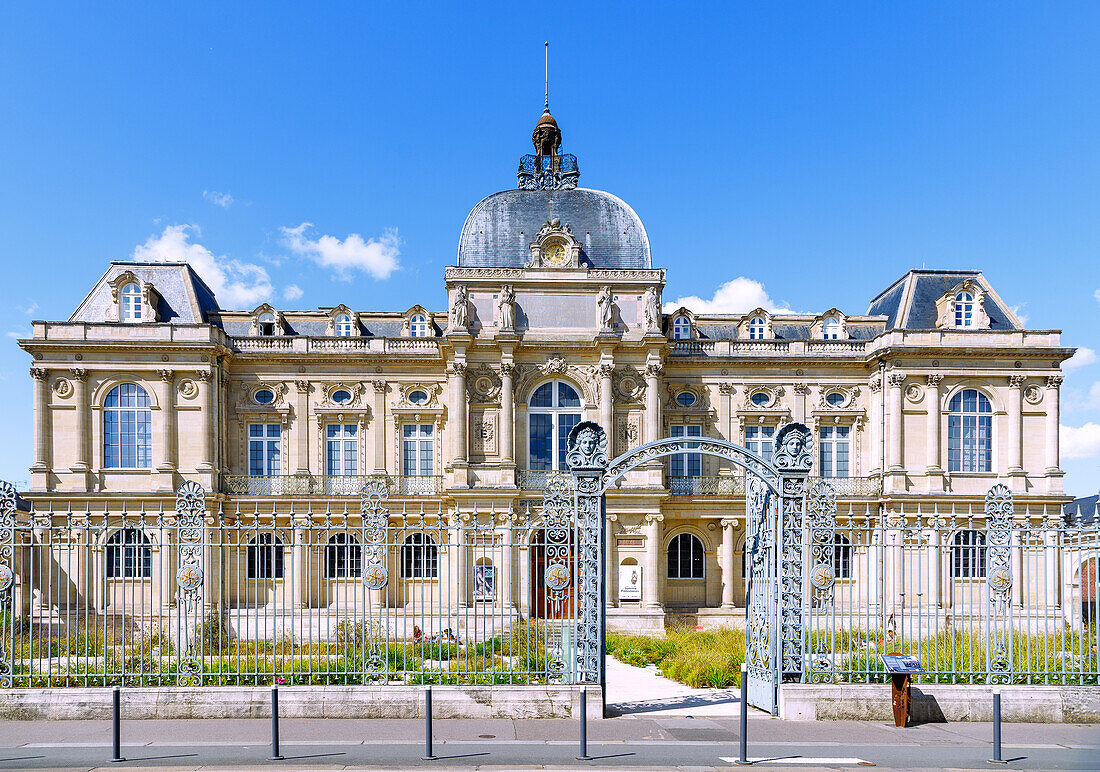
541, 448
760, 440
417, 449
264, 441
566, 422
969, 443
835, 451
686, 464
341, 449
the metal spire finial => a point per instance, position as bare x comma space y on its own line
546, 73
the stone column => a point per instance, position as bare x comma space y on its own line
874, 434
41, 419
800, 391
1015, 424
729, 562
606, 369
80, 399
1052, 459
610, 568
379, 424
653, 401
299, 588
301, 429
933, 429
458, 410
507, 414
164, 449
894, 460
206, 401
650, 580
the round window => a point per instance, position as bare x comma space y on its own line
685, 398
264, 396
418, 397
761, 398
341, 396
835, 398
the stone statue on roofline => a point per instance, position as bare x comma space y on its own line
651, 305
460, 309
506, 308
606, 308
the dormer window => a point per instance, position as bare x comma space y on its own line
343, 326
681, 328
131, 302
266, 325
964, 310
831, 328
756, 328
418, 326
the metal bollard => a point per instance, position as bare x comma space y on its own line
743, 741
116, 724
997, 729
428, 755
275, 755
584, 726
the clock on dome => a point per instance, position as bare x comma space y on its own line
555, 247
554, 254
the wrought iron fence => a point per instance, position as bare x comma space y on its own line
213, 594
328, 485
979, 594
734, 485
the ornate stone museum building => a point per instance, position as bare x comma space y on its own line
918, 403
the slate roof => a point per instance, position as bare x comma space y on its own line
1086, 506
910, 302
184, 297
499, 230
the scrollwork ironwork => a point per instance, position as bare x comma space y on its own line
999, 510
190, 514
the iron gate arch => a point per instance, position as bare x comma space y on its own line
775, 511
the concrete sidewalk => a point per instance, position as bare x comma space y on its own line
636, 690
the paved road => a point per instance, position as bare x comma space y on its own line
632, 743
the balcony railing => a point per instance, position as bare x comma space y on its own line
726, 348
301, 344
734, 485
328, 485
539, 479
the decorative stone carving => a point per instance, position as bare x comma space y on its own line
628, 384
945, 306
626, 434
166, 375
914, 392
1016, 381
1033, 394
651, 310
62, 387
586, 447
605, 308
555, 246
483, 434
460, 310
81, 374
794, 448
875, 383
483, 384
1054, 381
933, 379
895, 378
40, 373
187, 389
654, 369
506, 308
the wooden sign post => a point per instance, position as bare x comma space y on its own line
900, 668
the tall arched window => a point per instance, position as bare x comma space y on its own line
419, 557
343, 557
418, 326
685, 557
129, 555
127, 431
266, 325
681, 328
969, 432
964, 310
756, 328
131, 303
265, 557
831, 328
968, 555
343, 326
554, 409
842, 557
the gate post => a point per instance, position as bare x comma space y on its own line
7, 580
586, 457
190, 528
793, 458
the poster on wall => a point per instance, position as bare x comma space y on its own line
484, 582
630, 581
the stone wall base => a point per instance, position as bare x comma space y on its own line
636, 620
932, 703
301, 702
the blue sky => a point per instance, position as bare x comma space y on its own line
329, 153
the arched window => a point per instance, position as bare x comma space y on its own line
969, 432
418, 326
968, 555
842, 557
964, 310
831, 329
419, 557
555, 408
685, 557
343, 557
129, 555
756, 328
681, 328
343, 326
131, 303
265, 557
266, 325
127, 432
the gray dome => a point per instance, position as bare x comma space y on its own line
499, 230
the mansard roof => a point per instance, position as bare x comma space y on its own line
184, 298
910, 302
499, 230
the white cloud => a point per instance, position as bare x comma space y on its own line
244, 285
1081, 357
736, 296
1097, 295
17, 334
224, 200
28, 309
1019, 312
1080, 442
377, 257
292, 292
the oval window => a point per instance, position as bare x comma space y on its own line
685, 399
761, 398
341, 396
835, 398
264, 397
418, 397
